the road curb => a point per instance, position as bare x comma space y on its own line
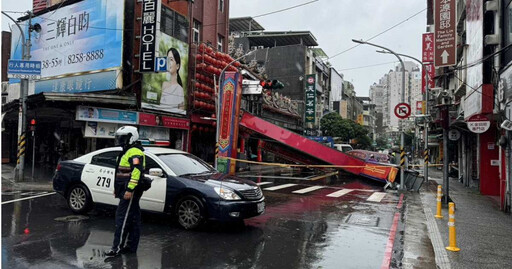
441, 256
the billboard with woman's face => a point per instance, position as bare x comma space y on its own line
167, 91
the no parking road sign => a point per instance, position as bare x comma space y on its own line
402, 110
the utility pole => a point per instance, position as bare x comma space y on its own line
401, 127
426, 118
22, 116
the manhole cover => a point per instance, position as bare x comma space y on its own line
362, 220
72, 218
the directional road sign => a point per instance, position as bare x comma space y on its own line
445, 35
402, 110
24, 69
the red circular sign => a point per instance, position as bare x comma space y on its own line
478, 124
311, 80
402, 110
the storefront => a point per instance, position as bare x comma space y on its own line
164, 131
100, 125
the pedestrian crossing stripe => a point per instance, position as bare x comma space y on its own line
376, 197
339, 193
280, 187
263, 183
309, 189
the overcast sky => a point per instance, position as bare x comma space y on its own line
334, 23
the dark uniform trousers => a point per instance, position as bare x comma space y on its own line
128, 223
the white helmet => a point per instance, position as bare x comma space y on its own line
126, 135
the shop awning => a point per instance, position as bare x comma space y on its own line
84, 98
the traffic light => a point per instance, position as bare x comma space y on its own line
271, 84
32, 124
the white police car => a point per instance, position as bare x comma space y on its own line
183, 185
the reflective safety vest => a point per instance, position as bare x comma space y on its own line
131, 167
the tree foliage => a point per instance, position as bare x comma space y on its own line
334, 125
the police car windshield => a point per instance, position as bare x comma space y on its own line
185, 164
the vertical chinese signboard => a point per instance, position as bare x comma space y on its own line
445, 52
148, 35
428, 62
230, 98
310, 101
430, 70
428, 48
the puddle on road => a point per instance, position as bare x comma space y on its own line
352, 247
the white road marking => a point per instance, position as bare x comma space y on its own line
264, 183
309, 189
26, 198
376, 197
280, 187
339, 193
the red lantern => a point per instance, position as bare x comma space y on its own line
214, 123
201, 47
213, 116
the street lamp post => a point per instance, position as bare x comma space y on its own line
22, 116
402, 183
217, 99
425, 167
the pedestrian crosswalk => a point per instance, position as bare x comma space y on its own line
372, 195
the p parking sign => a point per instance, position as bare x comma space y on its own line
160, 64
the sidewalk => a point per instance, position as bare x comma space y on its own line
42, 180
484, 233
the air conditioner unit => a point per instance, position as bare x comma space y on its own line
434, 92
261, 47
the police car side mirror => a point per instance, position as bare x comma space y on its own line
157, 172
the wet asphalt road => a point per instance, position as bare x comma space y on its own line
310, 230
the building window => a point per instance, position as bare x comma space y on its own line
174, 24
221, 5
220, 42
197, 31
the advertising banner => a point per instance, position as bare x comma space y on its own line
88, 113
81, 37
310, 100
167, 91
230, 98
101, 129
77, 84
152, 133
163, 121
474, 40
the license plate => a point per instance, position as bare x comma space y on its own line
261, 207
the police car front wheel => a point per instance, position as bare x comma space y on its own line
190, 212
79, 199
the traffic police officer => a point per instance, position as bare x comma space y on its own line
129, 170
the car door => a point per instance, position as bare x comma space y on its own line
99, 175
154, 198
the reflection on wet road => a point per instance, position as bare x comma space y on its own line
322, 226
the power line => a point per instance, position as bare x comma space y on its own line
285, 9
360, 67
269, 13
410, 17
